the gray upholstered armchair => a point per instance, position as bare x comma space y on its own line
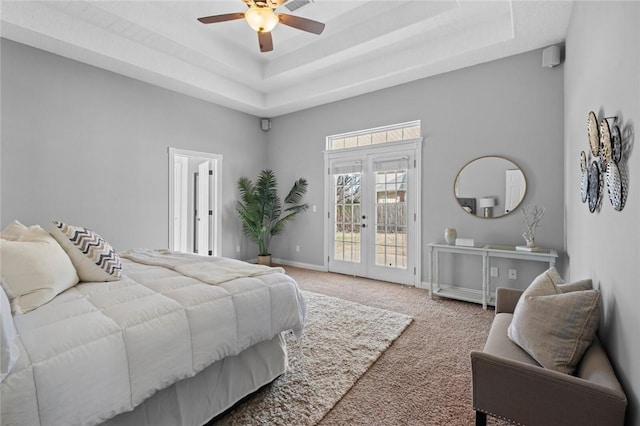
509, 384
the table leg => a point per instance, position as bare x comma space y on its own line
485, 274
431, 272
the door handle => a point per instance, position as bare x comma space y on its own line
363, 225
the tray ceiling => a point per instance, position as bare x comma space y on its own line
367, 45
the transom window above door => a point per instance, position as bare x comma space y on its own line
375, 136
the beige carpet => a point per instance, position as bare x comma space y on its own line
424, 378
341, 340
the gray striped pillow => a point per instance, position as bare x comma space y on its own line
91, 255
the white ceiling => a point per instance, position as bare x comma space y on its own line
367, 44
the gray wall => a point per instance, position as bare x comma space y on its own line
602, 74
511, 107
87, 146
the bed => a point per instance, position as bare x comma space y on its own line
176, 340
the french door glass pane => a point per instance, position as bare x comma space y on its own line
347, 214
391, 221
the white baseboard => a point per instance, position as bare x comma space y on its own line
303, 265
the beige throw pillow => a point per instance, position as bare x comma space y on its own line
34, 269
13, 231
553, 326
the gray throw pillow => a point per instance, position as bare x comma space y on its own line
556, 324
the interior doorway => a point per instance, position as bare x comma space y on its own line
194, 202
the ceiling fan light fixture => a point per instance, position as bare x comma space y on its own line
261, 19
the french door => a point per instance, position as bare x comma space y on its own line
372, 202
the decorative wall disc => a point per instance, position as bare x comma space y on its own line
592, 131
594, 186
624, 179
605, 142
614, 185
616, 144
584, 177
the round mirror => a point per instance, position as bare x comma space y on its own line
490, 187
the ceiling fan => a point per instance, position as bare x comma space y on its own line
262, 18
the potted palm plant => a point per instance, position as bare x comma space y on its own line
263, 214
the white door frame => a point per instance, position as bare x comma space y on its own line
215, 223
387, 148
180, 203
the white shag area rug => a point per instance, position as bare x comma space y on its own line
341, 341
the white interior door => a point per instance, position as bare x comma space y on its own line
372, 214
202, 211
184, 233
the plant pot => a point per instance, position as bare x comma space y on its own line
264, 260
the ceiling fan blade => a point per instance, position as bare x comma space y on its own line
265, 41
278, 3
303, 24
221, 18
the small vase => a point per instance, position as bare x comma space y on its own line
450, 236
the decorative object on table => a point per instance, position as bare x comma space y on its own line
262, 212
487, 203
450, 236
532, 217
584, 177
465, 242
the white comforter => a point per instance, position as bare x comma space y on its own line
100, 349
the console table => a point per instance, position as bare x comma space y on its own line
487, 251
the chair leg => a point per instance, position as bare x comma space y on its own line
481, 418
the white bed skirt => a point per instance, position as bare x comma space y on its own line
196, 400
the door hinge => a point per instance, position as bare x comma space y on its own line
414, 270
415, 217
210, 172
328, 215
210, 212
328, 259
328, 170
414, 163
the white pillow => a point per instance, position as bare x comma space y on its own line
9, 351
35, 270
13, 231
91, 255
